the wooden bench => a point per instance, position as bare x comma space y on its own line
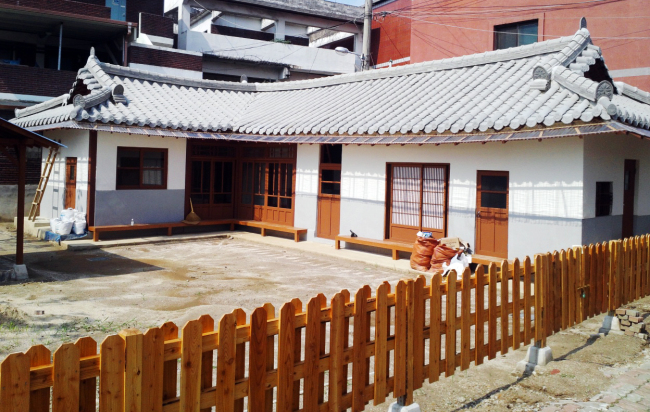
394, 247
264, 226
170, 226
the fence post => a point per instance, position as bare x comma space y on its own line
133, 341
14, 383
539, 324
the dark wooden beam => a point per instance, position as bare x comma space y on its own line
20, 211
92, 177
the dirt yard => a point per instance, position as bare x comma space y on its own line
100, 292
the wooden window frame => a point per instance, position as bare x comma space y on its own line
388, 210
142, 151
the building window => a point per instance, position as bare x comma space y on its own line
418, 200
141, 168
515, 34
604, 198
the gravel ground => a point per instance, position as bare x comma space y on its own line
99, 292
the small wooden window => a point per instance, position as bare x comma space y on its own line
604, 198
141, 168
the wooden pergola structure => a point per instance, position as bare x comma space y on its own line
12, 136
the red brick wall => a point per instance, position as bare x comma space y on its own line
391, 35
165, 58
619, 28
156, 25
35, 81
9, 171
135, 7
64, 6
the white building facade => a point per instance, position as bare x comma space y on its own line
516, 152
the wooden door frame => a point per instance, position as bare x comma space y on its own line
629, 163
65, 196
480, 173
388, 210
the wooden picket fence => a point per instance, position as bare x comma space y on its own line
336, 357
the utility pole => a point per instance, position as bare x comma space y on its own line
367, 26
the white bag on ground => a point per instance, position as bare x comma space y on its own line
54, 224
79, 227
68, 215
79, 216
64, 228
457, 263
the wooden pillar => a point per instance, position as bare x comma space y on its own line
20, 211
92, 176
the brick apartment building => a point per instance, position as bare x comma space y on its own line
423, 30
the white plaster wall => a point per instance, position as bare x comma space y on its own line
306, 208
240, 22
605, 161
54, 196
545, 189
107, 144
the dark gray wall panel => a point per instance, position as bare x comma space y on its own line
600, 229
118, 207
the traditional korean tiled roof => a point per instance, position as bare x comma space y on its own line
554, 83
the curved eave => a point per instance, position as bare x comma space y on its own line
502, 136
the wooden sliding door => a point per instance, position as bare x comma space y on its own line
417, 200
211, 181
266, 184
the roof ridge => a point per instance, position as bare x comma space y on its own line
43, 106
633, 93
546, 47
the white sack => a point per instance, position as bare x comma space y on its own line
64, 228
79, 227
68, 215
457, 263
54, 224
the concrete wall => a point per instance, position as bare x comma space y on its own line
304, 58
54, 197
545, 189
604, 159
9, 201
118, 207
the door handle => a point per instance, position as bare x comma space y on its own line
478, 214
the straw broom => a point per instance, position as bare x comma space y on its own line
192, 218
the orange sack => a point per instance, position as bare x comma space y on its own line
422, 253
441, 254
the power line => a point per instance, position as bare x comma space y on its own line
521, 34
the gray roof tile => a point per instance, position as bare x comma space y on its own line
475, 93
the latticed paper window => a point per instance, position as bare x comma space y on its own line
433, 199
418, 196
406, 195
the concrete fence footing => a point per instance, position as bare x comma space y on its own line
611, 324
535, 357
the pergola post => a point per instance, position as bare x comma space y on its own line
20, 212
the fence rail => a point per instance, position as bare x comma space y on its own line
337, 357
